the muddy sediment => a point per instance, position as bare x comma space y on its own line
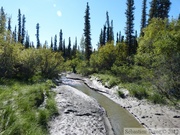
79, 114
151, 116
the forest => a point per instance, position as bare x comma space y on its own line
147, 65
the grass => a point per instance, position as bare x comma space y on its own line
108, 79
23, 108
140, 90
145, 91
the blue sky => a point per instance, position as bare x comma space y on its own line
68, 15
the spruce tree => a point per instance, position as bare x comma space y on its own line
51, 43
2, 21
23, 29
19, 26
74, 47
117, 38
9, 24
159, 9
37, 35
64, 48
104, 35
69, 48
101, 38
87, 33
60, 41
120, 36
153, 12
15, 34
129, 29
75, 44
143, 18
164, 8
108, 27
111, 33
27, 42
82, 44
55, 43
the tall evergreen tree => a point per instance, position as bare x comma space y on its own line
143, 18
60, 41
82, 44
159, 9
37, 35
9, 24
27, 42
2, 21
19, 26
69, 48
15, 34
111, 32
108, 27
129, 29
117, 38
153, 12
23, 29
74, 47
64, 48
101, 38
164, 7
75, 44
104, 35
87, 33
45, 44
55, 43
51, 43
135, 43
120, 37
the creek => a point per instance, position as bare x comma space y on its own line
118, 116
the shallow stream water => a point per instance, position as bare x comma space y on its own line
118, 116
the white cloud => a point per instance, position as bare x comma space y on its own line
59, 13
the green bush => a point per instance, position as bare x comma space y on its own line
108, 79
157, 98
18, 62
137, 90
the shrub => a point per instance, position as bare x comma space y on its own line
156, 98
137, 90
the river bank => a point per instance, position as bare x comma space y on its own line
149, 115
79, 114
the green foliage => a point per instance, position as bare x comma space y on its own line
51, 63
159, 9
23, 108
129, 29
104, 58
108, 79
87, 33
157, 98
18, 62
138, 90
159, 53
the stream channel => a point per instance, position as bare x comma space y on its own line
118, 116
